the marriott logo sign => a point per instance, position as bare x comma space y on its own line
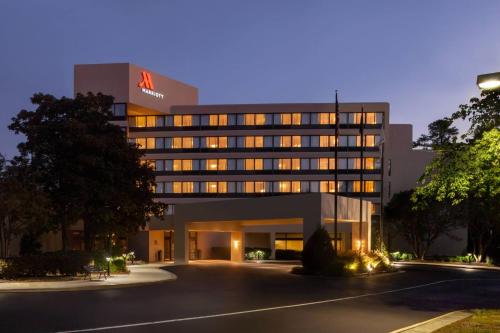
147, 86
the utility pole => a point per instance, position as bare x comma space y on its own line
336, 174
361, 174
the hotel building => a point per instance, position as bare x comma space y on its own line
254, 175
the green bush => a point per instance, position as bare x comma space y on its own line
257, 253
41, 265
318, 252
118, 265
288, 255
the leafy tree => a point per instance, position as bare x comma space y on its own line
469, 177
419, 226
318, 251
86, 165
24, 207
482, 113
441, 135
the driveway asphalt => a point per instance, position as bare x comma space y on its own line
224, 297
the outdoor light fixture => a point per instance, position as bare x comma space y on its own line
489, 81
236, 244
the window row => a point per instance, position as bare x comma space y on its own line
255, 119
299, 186
277, 141
250, 164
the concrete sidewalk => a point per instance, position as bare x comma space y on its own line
435, 324
139, 275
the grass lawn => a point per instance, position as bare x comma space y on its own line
482, 321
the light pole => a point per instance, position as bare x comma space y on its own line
490, 81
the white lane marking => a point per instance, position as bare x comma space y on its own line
236, 313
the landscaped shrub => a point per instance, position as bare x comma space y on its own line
318, 252
398, 256
253, 253
118, 265
50, 263
288, 255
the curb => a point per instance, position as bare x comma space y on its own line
172, 277
486, 268
436, 323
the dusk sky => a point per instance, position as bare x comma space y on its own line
420, 56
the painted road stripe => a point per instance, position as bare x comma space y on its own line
291, 306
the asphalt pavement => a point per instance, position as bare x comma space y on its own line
223, 297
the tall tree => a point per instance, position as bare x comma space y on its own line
419, 226
86, 165
441, 135
469, 177
24, 207
483, 113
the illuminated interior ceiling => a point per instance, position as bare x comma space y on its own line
137, 110
489, 81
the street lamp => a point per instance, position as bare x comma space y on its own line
489, 81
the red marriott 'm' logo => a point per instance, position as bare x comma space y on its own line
147, 81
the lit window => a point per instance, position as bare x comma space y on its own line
296, 118
260, 187
140, 121
249, 119
323, 186
212, 142
331, 186
324, 118
187, 165
249, 187
332, 140
370, 140
260, 119
258, 164
369, 186
296, 141
284, 164
212, 187
187, 142
150, 143
187, 187
286, 119
223, 142
295, 163
222, 187
296, 186
177, 187
177, 165
332, 163
214, 120
259, 142
356, 186
285, 141
212, 165
177, 143
223, 120
222, 165
285, 186
141, 143
323, 163
249, 164
177, 120
332, 118
369, 163
324, 141
150, 121
249, 142
370, 118
187, 120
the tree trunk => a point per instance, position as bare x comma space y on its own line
64, 236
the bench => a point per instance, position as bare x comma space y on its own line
89, 270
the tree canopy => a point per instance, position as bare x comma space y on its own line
85, 165
441, 135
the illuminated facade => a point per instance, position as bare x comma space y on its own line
206, 153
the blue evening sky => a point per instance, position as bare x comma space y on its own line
421, 56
